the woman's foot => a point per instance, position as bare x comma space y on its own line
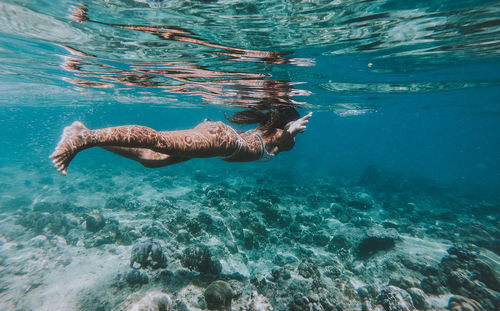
68, 146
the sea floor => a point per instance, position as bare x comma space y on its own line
111, 239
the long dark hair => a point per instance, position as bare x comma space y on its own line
268, 121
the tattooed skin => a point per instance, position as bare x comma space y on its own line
159, 148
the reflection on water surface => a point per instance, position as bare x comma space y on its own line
248, 53
186, 77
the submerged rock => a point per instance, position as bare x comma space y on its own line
117, 203
388, 224
154, 230
359, 200
486, 274
362, 200
264, 285
463, 253
321, 239
332, 272
285, 219
467, 259
198, 258
46, 223
341, 212
136, 277
308, 269
279, 273
38, 241
463, 282
308, 220
152, 301
148, 253
218, 296
419, 298
193, 226
464, 272
283, 259
94, 222
300, 302
258, 302
459, 303
338, 242
183, 236
395, 299
204, 219
432, 285
376, 241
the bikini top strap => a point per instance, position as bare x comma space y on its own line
265, 155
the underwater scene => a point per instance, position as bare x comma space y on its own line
250, 155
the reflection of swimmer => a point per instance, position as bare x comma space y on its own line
242, 89
236, 88
276, 132
170, 33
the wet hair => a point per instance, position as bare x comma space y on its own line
268, 121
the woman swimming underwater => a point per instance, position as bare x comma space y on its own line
276, 133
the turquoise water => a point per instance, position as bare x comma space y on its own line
402, 148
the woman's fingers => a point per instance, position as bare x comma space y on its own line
299, 125
307, 116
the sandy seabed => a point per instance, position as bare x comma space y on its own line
148, 240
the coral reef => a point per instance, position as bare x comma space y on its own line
459, 303
136, 277
198, 258
203, 241
218, 296
94, 222
152, 301
375, 241
147, 253
395, 299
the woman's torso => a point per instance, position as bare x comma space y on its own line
252, 145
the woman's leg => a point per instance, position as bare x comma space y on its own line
209, 139
146, 157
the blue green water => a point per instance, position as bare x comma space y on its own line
407, 89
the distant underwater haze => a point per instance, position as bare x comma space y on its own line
391, 195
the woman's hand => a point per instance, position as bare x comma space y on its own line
298, 126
